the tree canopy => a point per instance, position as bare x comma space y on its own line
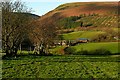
15, 25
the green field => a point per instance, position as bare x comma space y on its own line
74, 41
110, 46
81, 34
60, 67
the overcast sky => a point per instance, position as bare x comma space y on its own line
40, 7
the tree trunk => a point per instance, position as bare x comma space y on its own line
11, 51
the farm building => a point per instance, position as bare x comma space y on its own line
83, 40
60, 42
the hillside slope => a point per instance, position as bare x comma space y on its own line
75, 9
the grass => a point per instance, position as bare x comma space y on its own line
57, 50
100, 21
116, 29
110, 46
67, 66
60, 67
0, 51
81, 34
25, 52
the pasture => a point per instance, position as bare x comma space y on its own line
81, 34
78, 41
110, 46
61, 67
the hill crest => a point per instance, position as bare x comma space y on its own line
78, 8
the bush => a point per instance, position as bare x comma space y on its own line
85, 52
100, 37
61, 51
69, 50
95, 52
87, 25
69, 22
100, 52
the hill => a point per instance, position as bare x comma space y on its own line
95, 14
75, 9
34, 16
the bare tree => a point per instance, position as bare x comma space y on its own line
44, 34
0, 27
14, 26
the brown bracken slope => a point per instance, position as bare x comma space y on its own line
75, 9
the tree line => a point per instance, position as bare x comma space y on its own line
71, 22
17, 25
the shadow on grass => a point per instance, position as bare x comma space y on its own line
96, 52
23, 56
69, 52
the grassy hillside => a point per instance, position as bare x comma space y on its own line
91, 20
34, 16
110, 46
101, 21
76, 9
81, 34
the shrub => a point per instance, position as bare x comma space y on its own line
87, 25
94, 52
100, 37
61, 51
69, 22
69, 50
100, 52
84, 52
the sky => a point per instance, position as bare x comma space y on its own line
41, 7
